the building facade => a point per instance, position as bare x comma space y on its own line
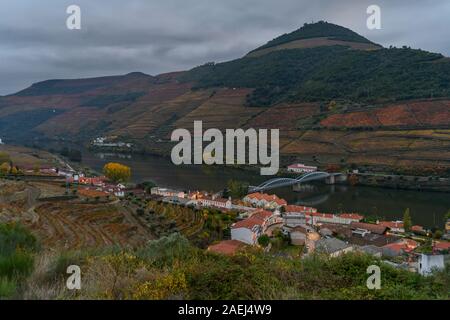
301, 168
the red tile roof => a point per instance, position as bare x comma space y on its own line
374, 228
267, 197
248, 223
442, 246
292, 208
227, 247
262, 214
405, 245
323, 215
417, 228
391, 224
354, 216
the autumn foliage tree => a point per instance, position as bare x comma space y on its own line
5, 168
117, 172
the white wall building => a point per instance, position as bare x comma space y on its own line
250, 229
428, 263
246, 234
167, 192
301, 168
215, 202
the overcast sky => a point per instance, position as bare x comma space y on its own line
156, 36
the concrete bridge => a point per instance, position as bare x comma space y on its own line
286, 182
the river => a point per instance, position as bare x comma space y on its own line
427, 208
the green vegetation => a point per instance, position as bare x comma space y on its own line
147, 185
17, 125
16, 257
407, 223
317, 30
59, 87
329, 73
264, 240
200, 226
171, 268
237, 189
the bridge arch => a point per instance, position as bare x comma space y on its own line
284, 182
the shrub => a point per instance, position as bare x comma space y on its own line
7, 287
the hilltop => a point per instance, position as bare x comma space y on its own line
336, 97
315, 35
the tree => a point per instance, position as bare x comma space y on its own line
437, 234
332, 105
148, 185
14, 171
117, 172
5, 168
407, 223
264, 240
237, 189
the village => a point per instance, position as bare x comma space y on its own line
262, 216
261, 219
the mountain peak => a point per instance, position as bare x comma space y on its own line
327, 33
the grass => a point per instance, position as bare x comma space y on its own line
171, 268
7, 288
17, 245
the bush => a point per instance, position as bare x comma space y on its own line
264, 240
7, 287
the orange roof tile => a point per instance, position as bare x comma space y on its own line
442, 246
391, 224
375, 228
351, 216
293, 208
267, 197
248, 223
262, 214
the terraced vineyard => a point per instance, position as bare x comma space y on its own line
188, 221
71, 225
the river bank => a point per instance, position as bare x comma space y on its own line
427, 208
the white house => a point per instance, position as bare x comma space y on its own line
296, 215
301, 168
215, 202
394, 226
428, 263
262, 200
1, 142
247, 231
167, 192
250, 229
118, 192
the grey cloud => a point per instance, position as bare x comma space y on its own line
166, 35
